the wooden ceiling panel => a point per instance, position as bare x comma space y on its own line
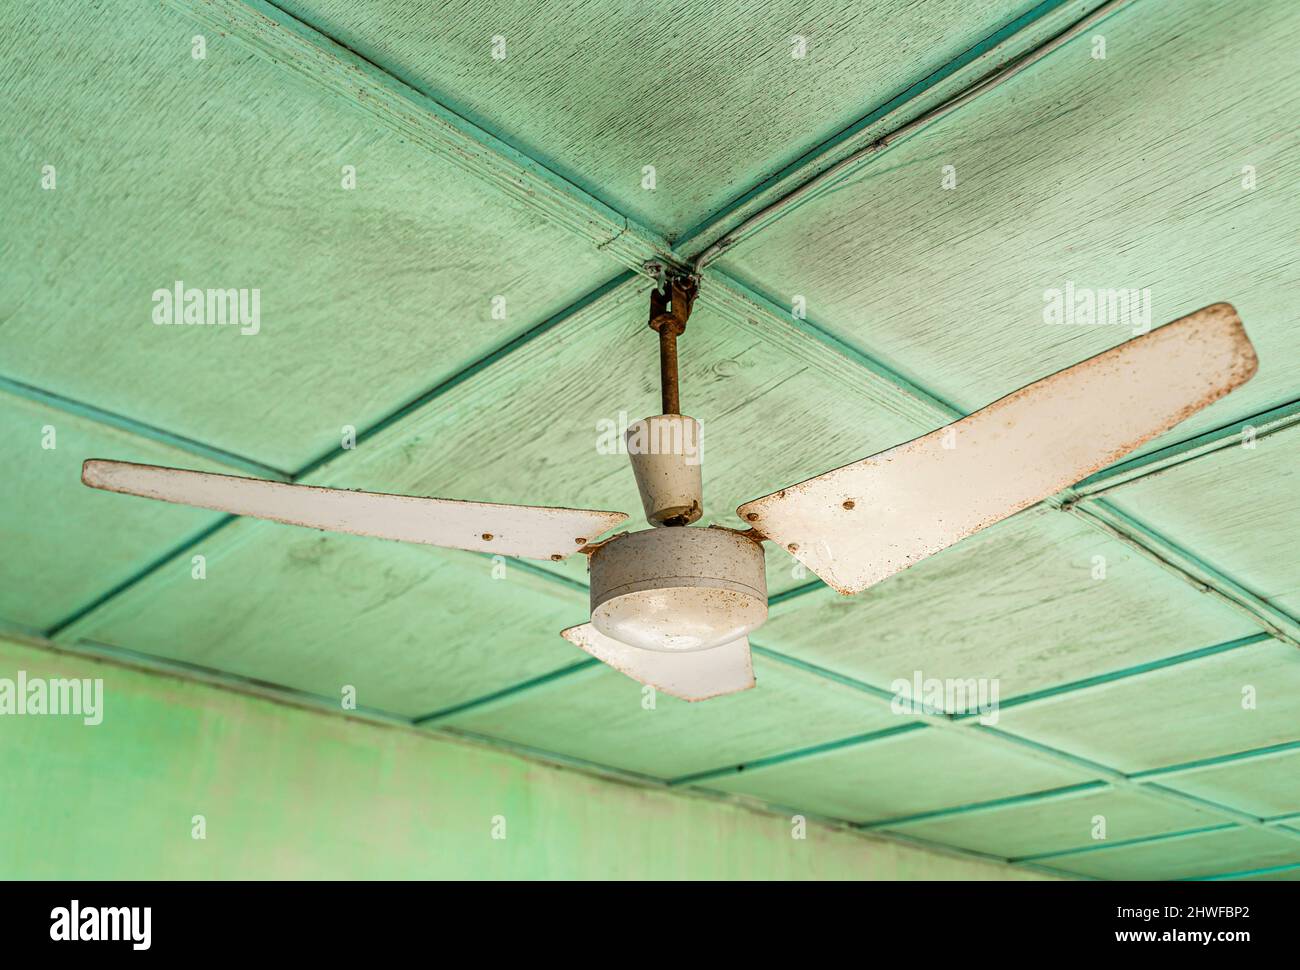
1267, 786
709, 94
65, 545
1237, 700
901, 775
1235, 509
1122, 173
1034, 602
1230, 850
228, 172
787, 709
412, 629
1089, 818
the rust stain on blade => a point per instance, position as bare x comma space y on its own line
860, 523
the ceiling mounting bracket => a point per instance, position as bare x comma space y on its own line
670, 308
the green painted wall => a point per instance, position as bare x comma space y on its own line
289, 792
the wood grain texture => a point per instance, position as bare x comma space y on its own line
707, 93
413, 629
227, 172
390, 104
1116, 173
1235, 509
902, 775
786, 709
1030, 36
1127, 724
1059, 824
1017, 603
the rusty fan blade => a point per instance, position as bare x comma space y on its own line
861, 523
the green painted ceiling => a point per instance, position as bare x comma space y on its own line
1122, 696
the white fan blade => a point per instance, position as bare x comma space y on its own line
863, 522
510, 530
693, 676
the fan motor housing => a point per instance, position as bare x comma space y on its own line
678, 589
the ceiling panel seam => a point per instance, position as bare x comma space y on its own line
603, 299
948, 720
787, 756
547, 679
1059, 757
1129, 843
140, 429
835, 677
1254, 428
1236, 757
809, 180
1147, 790
961, 73
506, 693
993, 804
1124, 673
307, 52
1246, 873
212, 676
299, 47
57, 630
838, 359
1186, 564
369, 87
1164, 837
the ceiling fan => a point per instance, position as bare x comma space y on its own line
672, 606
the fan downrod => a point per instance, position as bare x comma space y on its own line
670, 308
